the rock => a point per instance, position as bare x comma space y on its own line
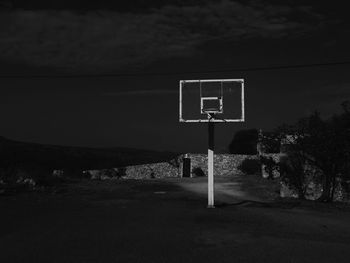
57, 173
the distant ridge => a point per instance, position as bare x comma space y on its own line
85, 5
70, 157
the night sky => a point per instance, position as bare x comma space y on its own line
89, 73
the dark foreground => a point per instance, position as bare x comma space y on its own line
167, 221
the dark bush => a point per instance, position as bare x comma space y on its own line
270, 165
292, 170
244, 142
250, 166
42, 176
73, 173
121, 171
197, 171
109, 172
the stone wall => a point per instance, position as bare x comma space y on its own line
224, 164
154, 170
227, 164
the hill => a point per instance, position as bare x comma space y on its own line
16, 153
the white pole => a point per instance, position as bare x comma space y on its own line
211, 164
180, 99
242, 101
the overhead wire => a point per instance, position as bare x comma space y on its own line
173, 73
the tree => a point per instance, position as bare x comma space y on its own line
269, 166
269, 142
323, 144
293, 174
244, 142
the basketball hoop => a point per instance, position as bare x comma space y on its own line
208, 95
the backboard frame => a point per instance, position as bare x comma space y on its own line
181, 84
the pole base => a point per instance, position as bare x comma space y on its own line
211, 206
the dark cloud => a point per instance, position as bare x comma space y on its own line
153, 92
108, 40
83, 5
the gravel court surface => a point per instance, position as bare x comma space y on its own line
167, 221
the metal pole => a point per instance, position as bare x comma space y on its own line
210, 163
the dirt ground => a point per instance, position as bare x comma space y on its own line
167, 221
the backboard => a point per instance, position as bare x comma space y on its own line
217, 100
